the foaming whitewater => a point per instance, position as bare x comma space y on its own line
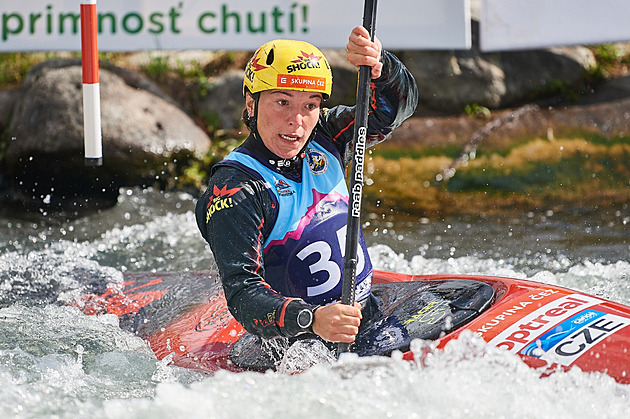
57, 362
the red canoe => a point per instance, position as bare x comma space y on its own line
184, 315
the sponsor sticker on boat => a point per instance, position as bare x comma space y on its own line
431, 313
528, 328
501, 317
566, 342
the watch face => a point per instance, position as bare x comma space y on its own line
305, 318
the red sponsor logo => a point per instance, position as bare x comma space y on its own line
303, 62
301, 82
256, 66
220, 200
268, 321
528, 328
490, 326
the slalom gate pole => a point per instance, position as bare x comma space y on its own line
91, 88
356, 175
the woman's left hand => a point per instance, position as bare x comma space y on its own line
360, 50
337, 322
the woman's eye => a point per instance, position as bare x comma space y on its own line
282, 102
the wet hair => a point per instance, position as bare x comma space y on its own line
250, 120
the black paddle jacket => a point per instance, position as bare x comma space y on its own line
242, 217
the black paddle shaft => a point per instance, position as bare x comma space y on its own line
356, 173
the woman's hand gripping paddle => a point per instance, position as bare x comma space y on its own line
356, 174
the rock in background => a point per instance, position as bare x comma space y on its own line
143, 130
448, 81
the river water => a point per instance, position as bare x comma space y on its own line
57, 362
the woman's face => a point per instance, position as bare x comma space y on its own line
285, 119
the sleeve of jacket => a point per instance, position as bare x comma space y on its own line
232, 216
394, 99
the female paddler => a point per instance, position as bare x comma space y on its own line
275, 210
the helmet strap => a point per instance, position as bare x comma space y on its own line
252, 122
254, 127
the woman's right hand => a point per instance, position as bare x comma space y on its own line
360, 50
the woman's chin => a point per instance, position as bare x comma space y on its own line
289, 149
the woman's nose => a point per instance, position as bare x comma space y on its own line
295, 118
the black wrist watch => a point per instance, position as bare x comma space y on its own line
305, 320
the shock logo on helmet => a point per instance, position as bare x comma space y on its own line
303, 62
253, 66
317, 161
220, 200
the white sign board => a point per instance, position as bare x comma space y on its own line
128, 25
520, 24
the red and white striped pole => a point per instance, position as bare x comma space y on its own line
91, 89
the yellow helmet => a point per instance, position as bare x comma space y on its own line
288, 65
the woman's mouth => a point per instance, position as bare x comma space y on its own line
289, 137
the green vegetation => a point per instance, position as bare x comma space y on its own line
14, 66
608, 54
186, 82
158, 67
189, 82
609, 58
569, 92
477, 111
395, 153
196, 174
535, 174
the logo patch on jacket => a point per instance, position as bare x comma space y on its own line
283, 188
317, 161
220, 200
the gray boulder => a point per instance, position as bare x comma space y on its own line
345, 77
224, 103
7, 104
450, 80
142, 131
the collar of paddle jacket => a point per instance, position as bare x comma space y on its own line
356, 173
